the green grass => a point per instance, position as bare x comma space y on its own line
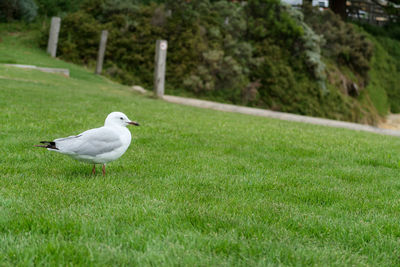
384, 80
380, 75
391, 64
196, 187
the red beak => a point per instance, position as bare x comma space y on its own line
133, 123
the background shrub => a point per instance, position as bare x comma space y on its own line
259, 54
343, 43
25, 10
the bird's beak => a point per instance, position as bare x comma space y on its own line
133, 123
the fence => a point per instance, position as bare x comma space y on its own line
160, 60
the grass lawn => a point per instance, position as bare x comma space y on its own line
196, 187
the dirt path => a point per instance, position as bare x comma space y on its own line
392, 122
384, 129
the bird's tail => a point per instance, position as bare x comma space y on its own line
48, 144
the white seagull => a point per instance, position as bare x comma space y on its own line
99, 145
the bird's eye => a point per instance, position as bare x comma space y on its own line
121, 118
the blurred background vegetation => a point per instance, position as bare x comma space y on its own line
260, 53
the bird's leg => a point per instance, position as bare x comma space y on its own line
94, 169
104, 169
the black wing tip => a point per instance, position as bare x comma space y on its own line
48, 142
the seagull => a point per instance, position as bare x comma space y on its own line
99, 145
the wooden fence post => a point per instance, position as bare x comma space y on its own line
53, 36
159, 70
102, 49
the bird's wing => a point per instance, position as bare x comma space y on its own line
91, 143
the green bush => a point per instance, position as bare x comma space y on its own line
386, 67
48, 8
80, 37
390, 30
25, 10
343, 43
385, 75
260, 54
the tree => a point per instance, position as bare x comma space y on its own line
339, 7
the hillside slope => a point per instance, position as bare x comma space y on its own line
196, 187
262, 54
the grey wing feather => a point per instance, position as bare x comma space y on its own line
92, 142
67, 138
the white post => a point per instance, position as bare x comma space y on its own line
102, 49
53, 36
159, 71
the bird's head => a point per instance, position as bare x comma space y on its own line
120, 119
